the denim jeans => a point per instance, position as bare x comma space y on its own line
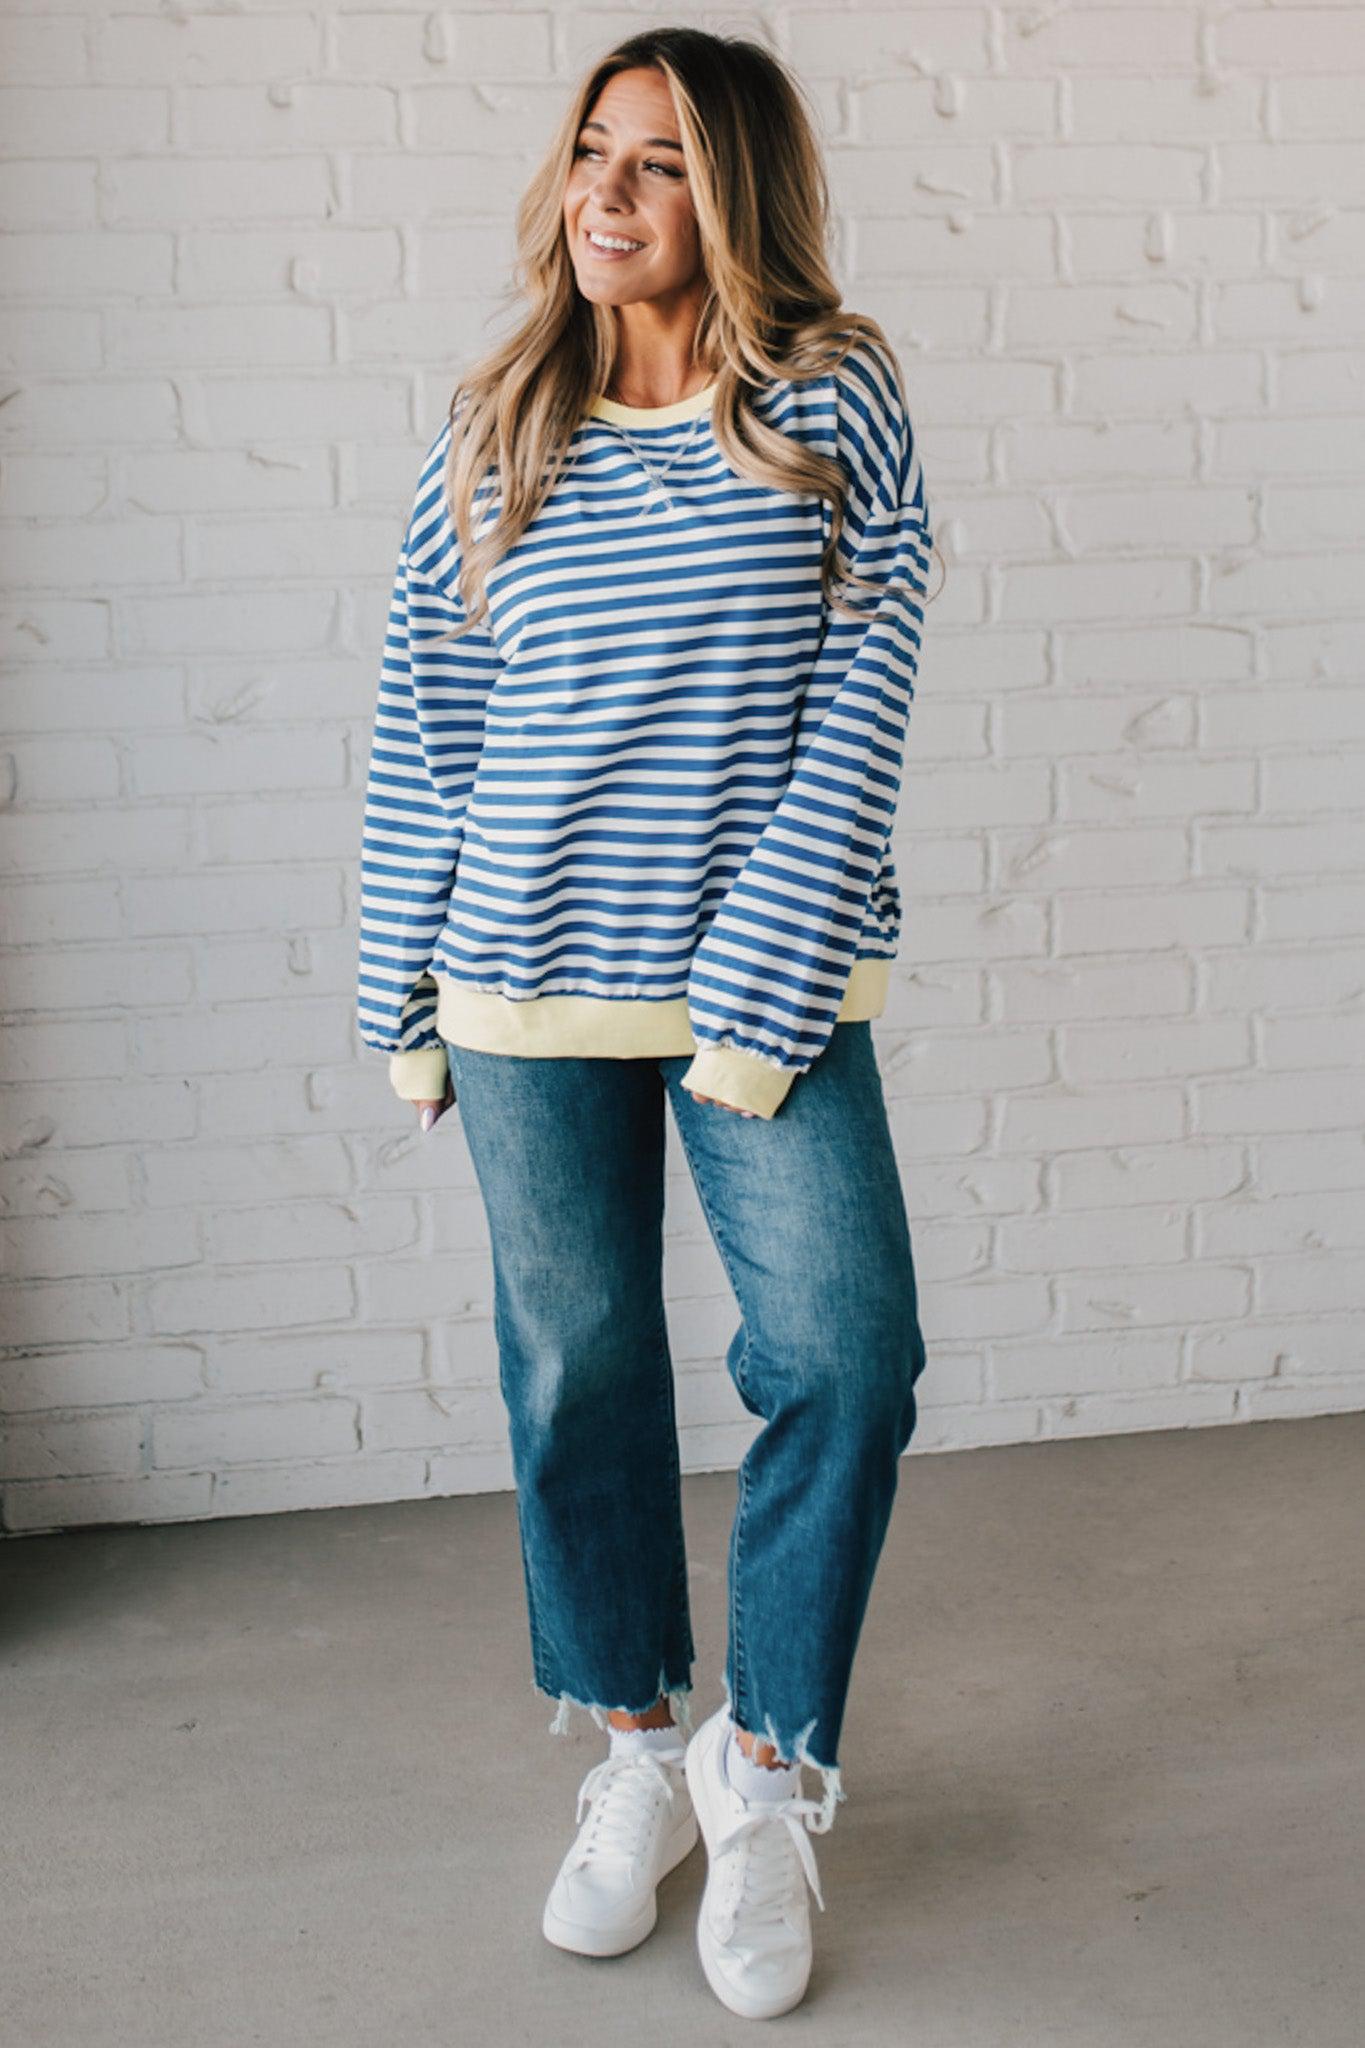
807, 1214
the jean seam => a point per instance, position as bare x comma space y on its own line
666, 1400
739, 1688
718, 1237
539, 1662
738, 1373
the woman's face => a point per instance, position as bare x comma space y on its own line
628, 183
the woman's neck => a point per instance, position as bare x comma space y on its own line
655, 362
650, 389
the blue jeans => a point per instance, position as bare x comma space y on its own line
807, 1214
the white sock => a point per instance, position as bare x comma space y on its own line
759, 1781
639, 1741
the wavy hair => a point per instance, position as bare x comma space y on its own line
771, 308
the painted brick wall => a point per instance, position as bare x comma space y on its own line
1122, 252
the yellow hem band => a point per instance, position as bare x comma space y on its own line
607, 1027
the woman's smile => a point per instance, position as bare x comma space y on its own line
608, 249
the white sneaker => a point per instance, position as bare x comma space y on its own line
753, 1930
639, 1824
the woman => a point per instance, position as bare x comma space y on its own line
635, 765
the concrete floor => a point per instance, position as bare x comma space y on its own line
284, 1780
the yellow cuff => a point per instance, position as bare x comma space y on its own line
420, 1076
740, 1079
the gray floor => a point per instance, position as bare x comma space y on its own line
284, 1780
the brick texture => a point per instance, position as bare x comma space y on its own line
1121, 250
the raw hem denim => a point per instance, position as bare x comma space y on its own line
807, 1215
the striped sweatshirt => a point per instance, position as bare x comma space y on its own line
645, 807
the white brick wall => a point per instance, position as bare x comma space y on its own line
1122, 252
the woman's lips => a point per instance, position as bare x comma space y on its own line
611, 255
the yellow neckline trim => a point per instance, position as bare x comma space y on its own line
654, 415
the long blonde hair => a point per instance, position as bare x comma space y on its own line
771, 307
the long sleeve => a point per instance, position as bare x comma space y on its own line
428, 734
772, 968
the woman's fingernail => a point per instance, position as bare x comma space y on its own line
428, 1117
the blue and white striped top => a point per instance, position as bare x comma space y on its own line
645, 807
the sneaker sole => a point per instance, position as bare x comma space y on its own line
735, 2001
617, 1941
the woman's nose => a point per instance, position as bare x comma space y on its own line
609, 189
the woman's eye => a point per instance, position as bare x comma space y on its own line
586, 149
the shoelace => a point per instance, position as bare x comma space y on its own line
621, 1792
762, 1875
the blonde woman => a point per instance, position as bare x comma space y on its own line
636, 760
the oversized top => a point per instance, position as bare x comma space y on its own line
645, 806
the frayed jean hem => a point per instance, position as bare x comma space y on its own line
797, 1749
679, 1698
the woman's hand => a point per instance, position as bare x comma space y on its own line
430, 1113
721, 1105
